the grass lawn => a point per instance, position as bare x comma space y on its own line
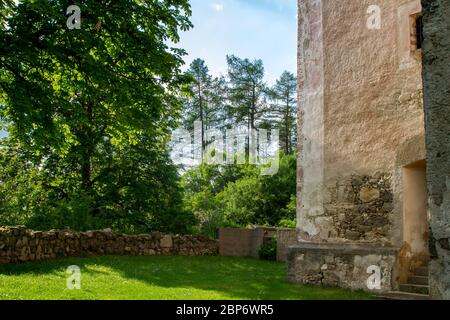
150, 278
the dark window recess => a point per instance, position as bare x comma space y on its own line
419, 32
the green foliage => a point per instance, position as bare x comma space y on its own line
90, 113
116, 77
204, 105
285, 223
268, 251
290, 212
238, 195
5, 10
138, 194
247, 90
284, 106
204, 102
201, 186
209, 218
242, 201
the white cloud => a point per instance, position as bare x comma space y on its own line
217, 7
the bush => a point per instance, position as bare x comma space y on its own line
286, 223
268, 251
238, 195
136, 192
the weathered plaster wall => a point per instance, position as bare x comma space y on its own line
361, 122
310, 174
360, 103
436, 62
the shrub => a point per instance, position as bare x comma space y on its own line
268, 251
286, 223
238, 195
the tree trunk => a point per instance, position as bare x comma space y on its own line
200, 99
87, 151
287, 133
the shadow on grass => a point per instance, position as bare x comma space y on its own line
237, 278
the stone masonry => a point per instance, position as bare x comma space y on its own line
361, 143
18, 244
339, 265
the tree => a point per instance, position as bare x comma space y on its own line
260, 200
86, 102
284, 94
196, 106
247, 91
69, 89
5, 10
237, 195
205, 101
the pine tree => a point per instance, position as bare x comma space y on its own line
284, 96
247, 92
206, 102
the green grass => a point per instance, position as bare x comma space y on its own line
140, 278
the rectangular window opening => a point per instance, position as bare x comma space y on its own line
419, 32
416, 32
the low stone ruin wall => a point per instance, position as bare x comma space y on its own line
353, 266
236, 242
21, 245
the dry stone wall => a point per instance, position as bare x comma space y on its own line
18, 244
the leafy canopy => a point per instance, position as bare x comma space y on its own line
90, 111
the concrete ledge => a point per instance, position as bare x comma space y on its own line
349, 248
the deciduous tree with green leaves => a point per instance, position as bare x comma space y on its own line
90, 104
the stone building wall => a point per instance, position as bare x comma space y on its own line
342, 265
19, 244
360, 105
436, 59
361, 123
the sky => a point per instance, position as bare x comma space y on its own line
255, 29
